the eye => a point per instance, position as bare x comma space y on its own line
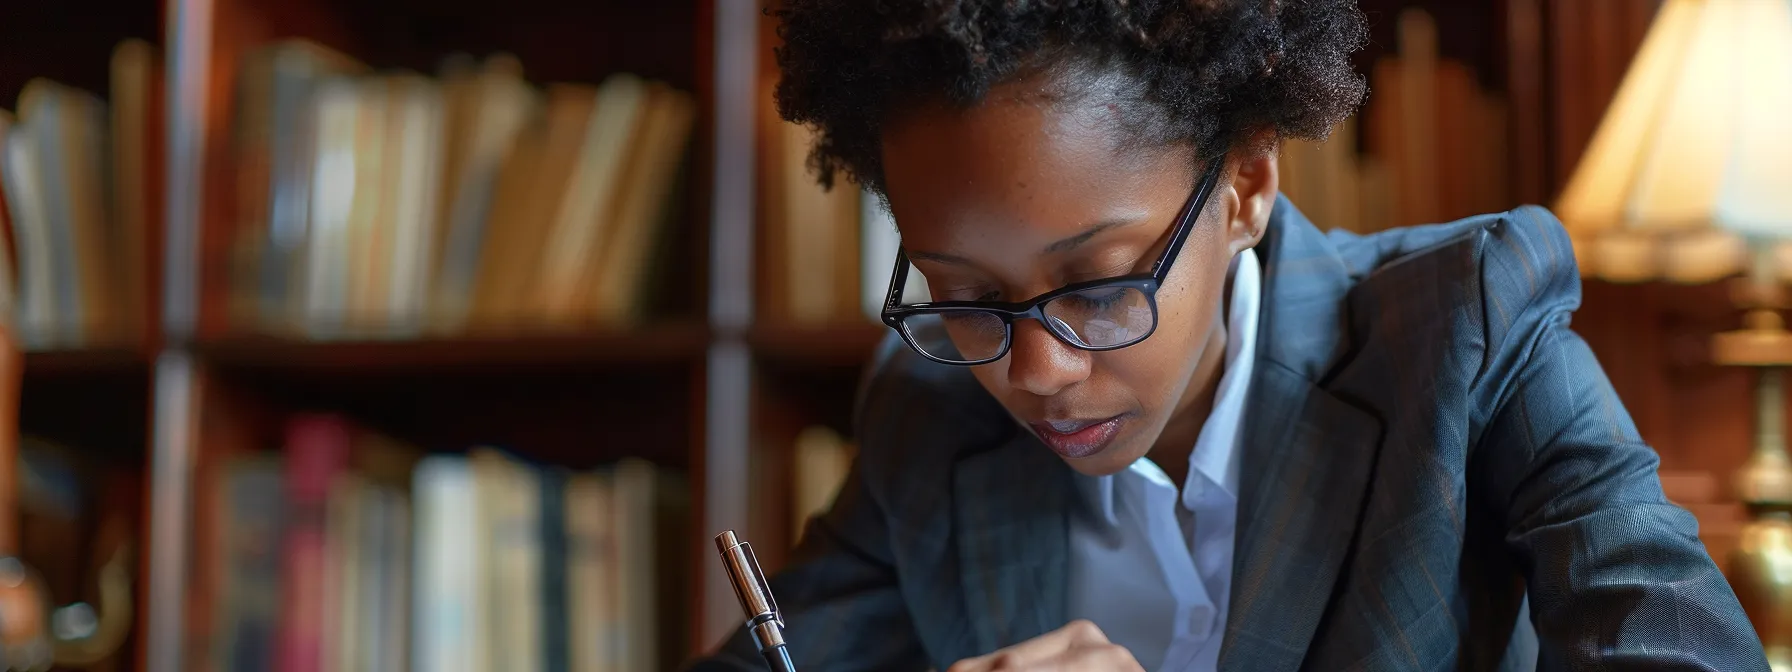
1100, 299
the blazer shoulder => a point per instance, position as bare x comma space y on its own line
1463, 305
1498, 281
1519, 257
1528, 264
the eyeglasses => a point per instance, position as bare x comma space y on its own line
1098, 315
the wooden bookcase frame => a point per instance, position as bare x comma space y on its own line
202, 38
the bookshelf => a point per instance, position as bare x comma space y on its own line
204, 387
729, 368
572, 394
669, 343
72, 464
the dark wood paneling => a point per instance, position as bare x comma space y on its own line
1654, 343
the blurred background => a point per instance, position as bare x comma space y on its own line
407, 333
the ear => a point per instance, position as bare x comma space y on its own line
1252, 192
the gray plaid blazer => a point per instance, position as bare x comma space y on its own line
1437, 475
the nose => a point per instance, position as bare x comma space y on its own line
1040, 363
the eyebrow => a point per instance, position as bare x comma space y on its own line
1062, 245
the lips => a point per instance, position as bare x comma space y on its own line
1078, 438
1070, 426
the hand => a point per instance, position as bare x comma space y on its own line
1079, 646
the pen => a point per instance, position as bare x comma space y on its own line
763, 618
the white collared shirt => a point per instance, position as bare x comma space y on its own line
1154, 570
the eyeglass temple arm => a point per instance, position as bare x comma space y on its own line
1186, 219
898, 278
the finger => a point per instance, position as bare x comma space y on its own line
1089, 658
1019, 656
1083, 632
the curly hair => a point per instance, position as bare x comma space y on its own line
1209, 74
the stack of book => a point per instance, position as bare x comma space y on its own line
348, 550
394, 205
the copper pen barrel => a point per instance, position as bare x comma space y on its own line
743, 572
764, 620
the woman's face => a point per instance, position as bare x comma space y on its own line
1017, 197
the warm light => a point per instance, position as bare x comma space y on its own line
1694, 155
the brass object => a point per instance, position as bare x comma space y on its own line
24, 619
84, 635
34, 636
1761, 565
1761, 570
35, 633
1765, 482
1762, 342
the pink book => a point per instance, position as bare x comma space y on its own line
316, 450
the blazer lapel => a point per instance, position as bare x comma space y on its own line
1307, 456
1011, 509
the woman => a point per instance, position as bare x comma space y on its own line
1159, 421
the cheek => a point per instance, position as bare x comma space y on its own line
994, 378
1188, 306
1156, 371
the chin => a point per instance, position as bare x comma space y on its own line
1100, 464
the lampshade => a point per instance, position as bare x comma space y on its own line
1691, 166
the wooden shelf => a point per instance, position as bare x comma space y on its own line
847, 344
575, 400
85, 363
94, 400
654, 345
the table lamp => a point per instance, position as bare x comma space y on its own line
1688, 179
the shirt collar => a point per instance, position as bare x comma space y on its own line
1215, 456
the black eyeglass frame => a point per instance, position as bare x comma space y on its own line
1146, 283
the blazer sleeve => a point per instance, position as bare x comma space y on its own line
843, 608
1616, 575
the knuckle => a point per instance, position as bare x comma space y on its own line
1085, 627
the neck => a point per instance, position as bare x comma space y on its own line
1177, 441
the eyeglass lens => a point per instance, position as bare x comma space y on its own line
1098, 317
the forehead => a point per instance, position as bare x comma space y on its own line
1018, 167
